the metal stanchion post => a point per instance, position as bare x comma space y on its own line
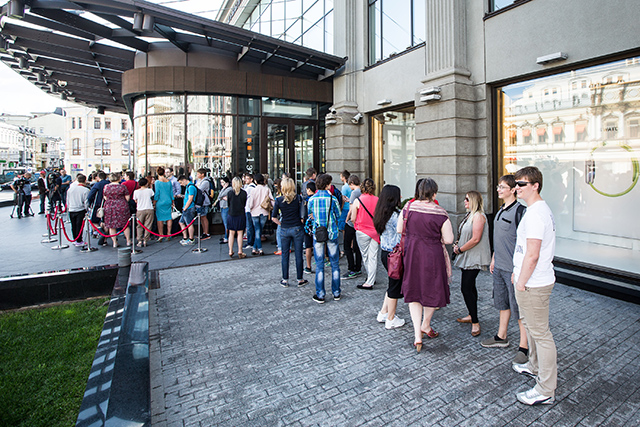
199, 249
133, 236
87, 226
49, 238
60, 245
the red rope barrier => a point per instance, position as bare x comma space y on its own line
114, 235
165, 235
65, 232
51, 229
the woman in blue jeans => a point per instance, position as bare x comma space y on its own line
259, 214
224, 205
291, 207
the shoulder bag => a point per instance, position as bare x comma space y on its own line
266, 203
100, 211
395, 260
322, 232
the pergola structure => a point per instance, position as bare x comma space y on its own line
80, 49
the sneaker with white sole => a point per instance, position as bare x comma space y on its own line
395, 323
382, 317
523, 369
495, 341
284, 283
533, 397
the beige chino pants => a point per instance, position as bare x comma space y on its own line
534, 310
146, 217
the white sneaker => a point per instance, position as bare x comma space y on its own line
395, 323
532, 397
523, 368
382, 317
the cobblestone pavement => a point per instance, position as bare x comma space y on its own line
231, 347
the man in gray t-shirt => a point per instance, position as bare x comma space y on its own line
505, 225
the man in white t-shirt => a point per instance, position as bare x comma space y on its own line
534, 278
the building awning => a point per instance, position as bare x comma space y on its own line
526, 132
580, 127
541, 131
557, 129
79, 49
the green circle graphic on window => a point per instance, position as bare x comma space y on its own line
616, 164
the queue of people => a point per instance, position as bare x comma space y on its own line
323, 222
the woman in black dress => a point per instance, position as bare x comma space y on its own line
237, 221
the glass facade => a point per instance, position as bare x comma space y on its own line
394, 26
223, 134
394, 148
581, 128
305, 22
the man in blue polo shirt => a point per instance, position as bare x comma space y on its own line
325, 210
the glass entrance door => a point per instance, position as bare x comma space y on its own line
291, 147
277, 149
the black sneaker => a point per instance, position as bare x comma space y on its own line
284, 283
308, 270
302, 283
337, 297
317, 299
205, 236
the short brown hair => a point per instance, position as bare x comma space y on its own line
354, 179
508, 179
532, 174
426, 189
323, 181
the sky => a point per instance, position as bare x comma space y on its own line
18, 96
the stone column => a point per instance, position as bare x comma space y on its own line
346, 146
451, 134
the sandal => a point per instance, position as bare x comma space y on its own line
139, 244
242, 255
431, 334
418, 346
231, 254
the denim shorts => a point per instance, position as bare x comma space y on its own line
204, 210
187, 216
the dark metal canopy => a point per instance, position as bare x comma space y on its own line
57, 45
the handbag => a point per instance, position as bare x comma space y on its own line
395, 260
100, 211
266, 204
175, 213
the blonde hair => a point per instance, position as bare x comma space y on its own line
288, 188
237, 185
475, 202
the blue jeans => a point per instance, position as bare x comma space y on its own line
278, 238
287, 235
225, 214
334, 258
258, 225
250, 231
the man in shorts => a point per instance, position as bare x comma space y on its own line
188, 211
505, 225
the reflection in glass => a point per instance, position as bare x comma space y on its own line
588, 152
303, 140
210, 143
165, 141
398, 132
165, 104
211, 104
277, 153
139, 107
249, 106
394, 27
285, 108
139, 133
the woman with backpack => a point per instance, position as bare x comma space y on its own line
361, 212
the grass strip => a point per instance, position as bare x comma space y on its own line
45, 360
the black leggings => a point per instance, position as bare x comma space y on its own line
354, 257
470, 293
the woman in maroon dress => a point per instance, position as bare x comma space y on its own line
116, 208
427, 270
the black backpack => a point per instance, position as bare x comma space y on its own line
199, 199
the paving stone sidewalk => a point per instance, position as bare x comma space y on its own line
231, 347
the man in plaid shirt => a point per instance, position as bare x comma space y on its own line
325, 210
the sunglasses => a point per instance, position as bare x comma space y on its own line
466, 199
522, 183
